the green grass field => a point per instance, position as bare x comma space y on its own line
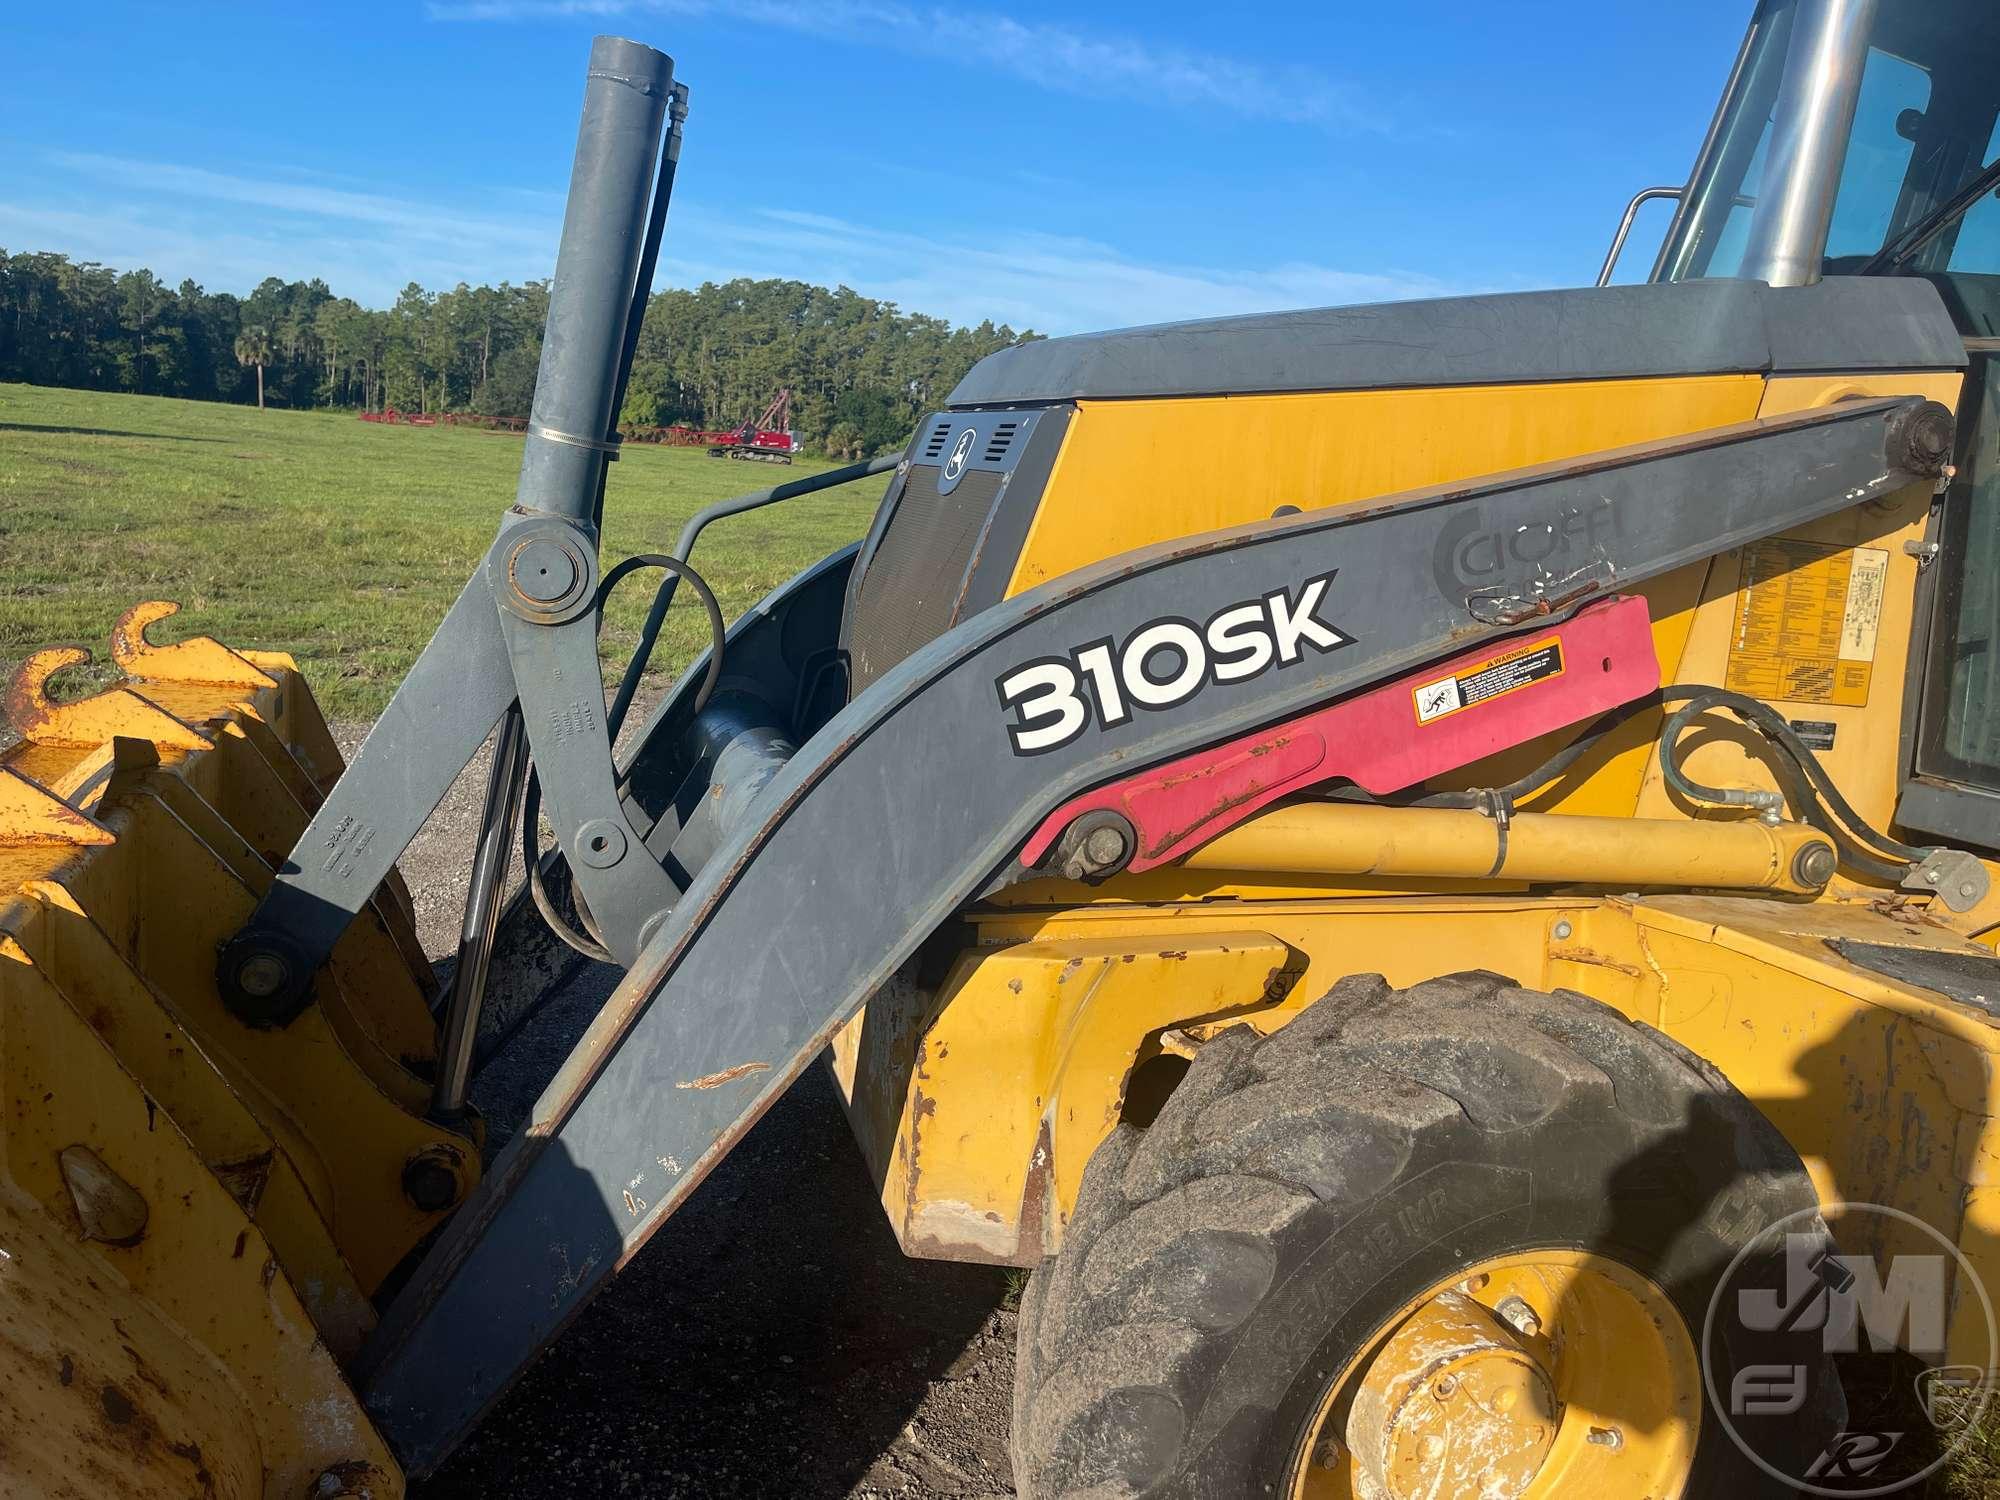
338, 540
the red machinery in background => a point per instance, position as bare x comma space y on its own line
767, 439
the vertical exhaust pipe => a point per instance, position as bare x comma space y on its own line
597, 268
1808, 145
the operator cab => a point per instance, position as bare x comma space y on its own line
1858, 138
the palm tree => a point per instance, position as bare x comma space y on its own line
253, 347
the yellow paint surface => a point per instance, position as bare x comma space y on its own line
1132, 473
1859, 692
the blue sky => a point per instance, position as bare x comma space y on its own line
1050, 165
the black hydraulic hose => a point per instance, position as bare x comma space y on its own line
718, 629
593, 946
1806, 786
1526, 786
1767, 719
649, 633
531, 856
1863, 847
1852, 854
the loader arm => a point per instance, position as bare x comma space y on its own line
1185, 674
720, 1013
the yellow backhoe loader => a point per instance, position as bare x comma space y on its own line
1427, 866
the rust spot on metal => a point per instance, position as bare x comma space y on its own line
26, 705
145, 1371
921, 1107
1173, 953
1068, 969
1029, 1223
1014, 984
128, 635
191, 1452
118, 1407
727, 1075
242, 1239
1595, 959
1220, 808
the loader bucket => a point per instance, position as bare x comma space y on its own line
196, 1214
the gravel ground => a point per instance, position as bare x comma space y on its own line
770, 1340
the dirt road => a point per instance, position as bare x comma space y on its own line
771, 1340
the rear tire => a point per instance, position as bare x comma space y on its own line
1298, 1191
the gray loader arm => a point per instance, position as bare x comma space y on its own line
924, 787
751, 936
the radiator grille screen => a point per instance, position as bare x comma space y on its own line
912, 587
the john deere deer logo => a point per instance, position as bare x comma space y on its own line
954, 464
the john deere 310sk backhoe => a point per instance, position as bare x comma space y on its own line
1411, 859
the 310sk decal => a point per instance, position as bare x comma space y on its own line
1165, 662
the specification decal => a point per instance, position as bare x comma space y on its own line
1484, 681
1806, 620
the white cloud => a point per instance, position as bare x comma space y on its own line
229, 230
1042, 53
419, 221
1052, 283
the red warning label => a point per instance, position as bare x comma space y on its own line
1484, 681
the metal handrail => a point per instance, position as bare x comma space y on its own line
1643, 196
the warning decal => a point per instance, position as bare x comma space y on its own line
1481, 683
1806, 620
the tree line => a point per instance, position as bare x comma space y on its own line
861, 371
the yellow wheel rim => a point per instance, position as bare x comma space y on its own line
1551, 1372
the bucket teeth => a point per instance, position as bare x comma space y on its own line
91, 721
31, 816
198, 659
137, 828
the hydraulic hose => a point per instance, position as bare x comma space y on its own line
1805, 785
593, 946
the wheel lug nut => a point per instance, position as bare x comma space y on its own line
1517, 1315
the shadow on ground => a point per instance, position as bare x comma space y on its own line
47, 431
771, 1340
